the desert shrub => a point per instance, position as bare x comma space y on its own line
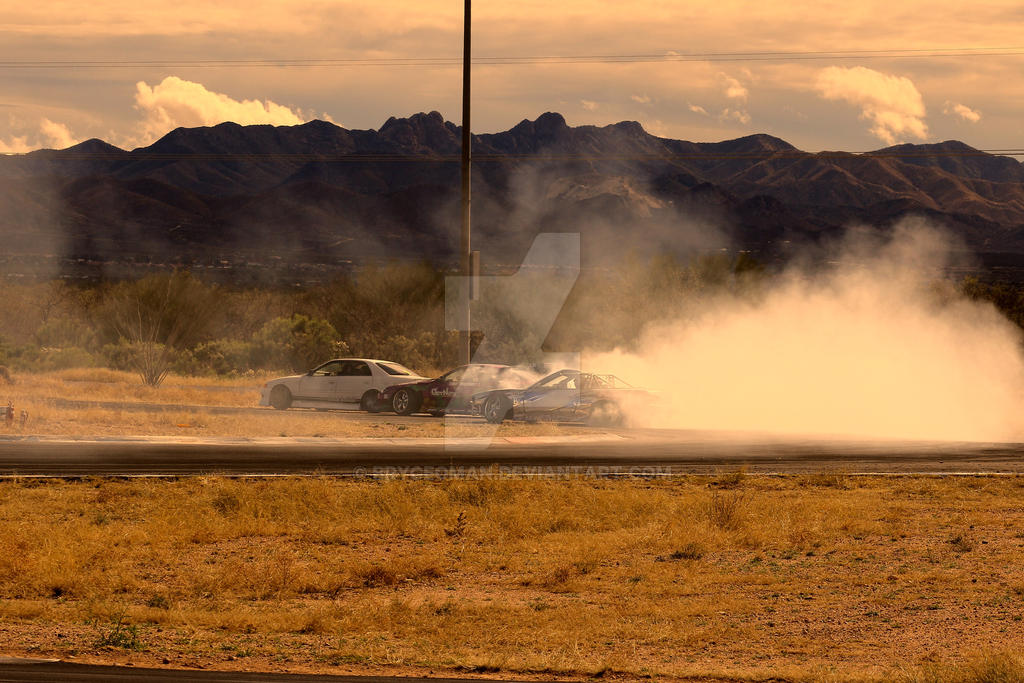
63, 358
152, 361
218, 357
419, 353
65, 332
31, 358
374, 311
296, 343
726, 509
154, 318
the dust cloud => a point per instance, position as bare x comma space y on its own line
876, 345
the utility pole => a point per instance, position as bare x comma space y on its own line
467, 158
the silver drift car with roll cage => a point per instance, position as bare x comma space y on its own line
564, 396
342, 383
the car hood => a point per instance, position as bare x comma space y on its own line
289, 378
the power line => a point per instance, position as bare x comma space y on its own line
431, 62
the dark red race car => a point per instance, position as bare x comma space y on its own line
452, 391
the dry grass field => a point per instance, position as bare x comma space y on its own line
101, 384
734, 577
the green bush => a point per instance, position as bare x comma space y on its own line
63, 358
297, 343
219, 357
64, 332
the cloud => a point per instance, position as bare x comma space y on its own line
589, 105
738, 115
734, 90
697, 109
51, 135
17, 144
891, 103
57, 134
640, 99
176, 102
961, 110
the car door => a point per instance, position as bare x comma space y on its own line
355, 380
447, 388
553, 401
321, 383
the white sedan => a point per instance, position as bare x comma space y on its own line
351, 383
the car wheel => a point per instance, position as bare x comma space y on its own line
281, 397
497, 409
369, 402
605, 414
405, 402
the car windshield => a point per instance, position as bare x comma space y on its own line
559, 380
455, 375
395, 369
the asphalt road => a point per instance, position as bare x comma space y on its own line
614, 453
29, 671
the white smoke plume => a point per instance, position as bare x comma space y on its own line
892, 104
872, 348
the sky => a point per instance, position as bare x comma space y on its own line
892, 72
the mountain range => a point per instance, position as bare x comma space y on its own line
319, 193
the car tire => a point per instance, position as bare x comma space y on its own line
605, 414
369, 402
406, 402
497, 409
281, 397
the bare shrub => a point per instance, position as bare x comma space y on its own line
376, 574
688, 551
961, 543
726, 509
731, 479
155, 317
459, 528
835, 479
